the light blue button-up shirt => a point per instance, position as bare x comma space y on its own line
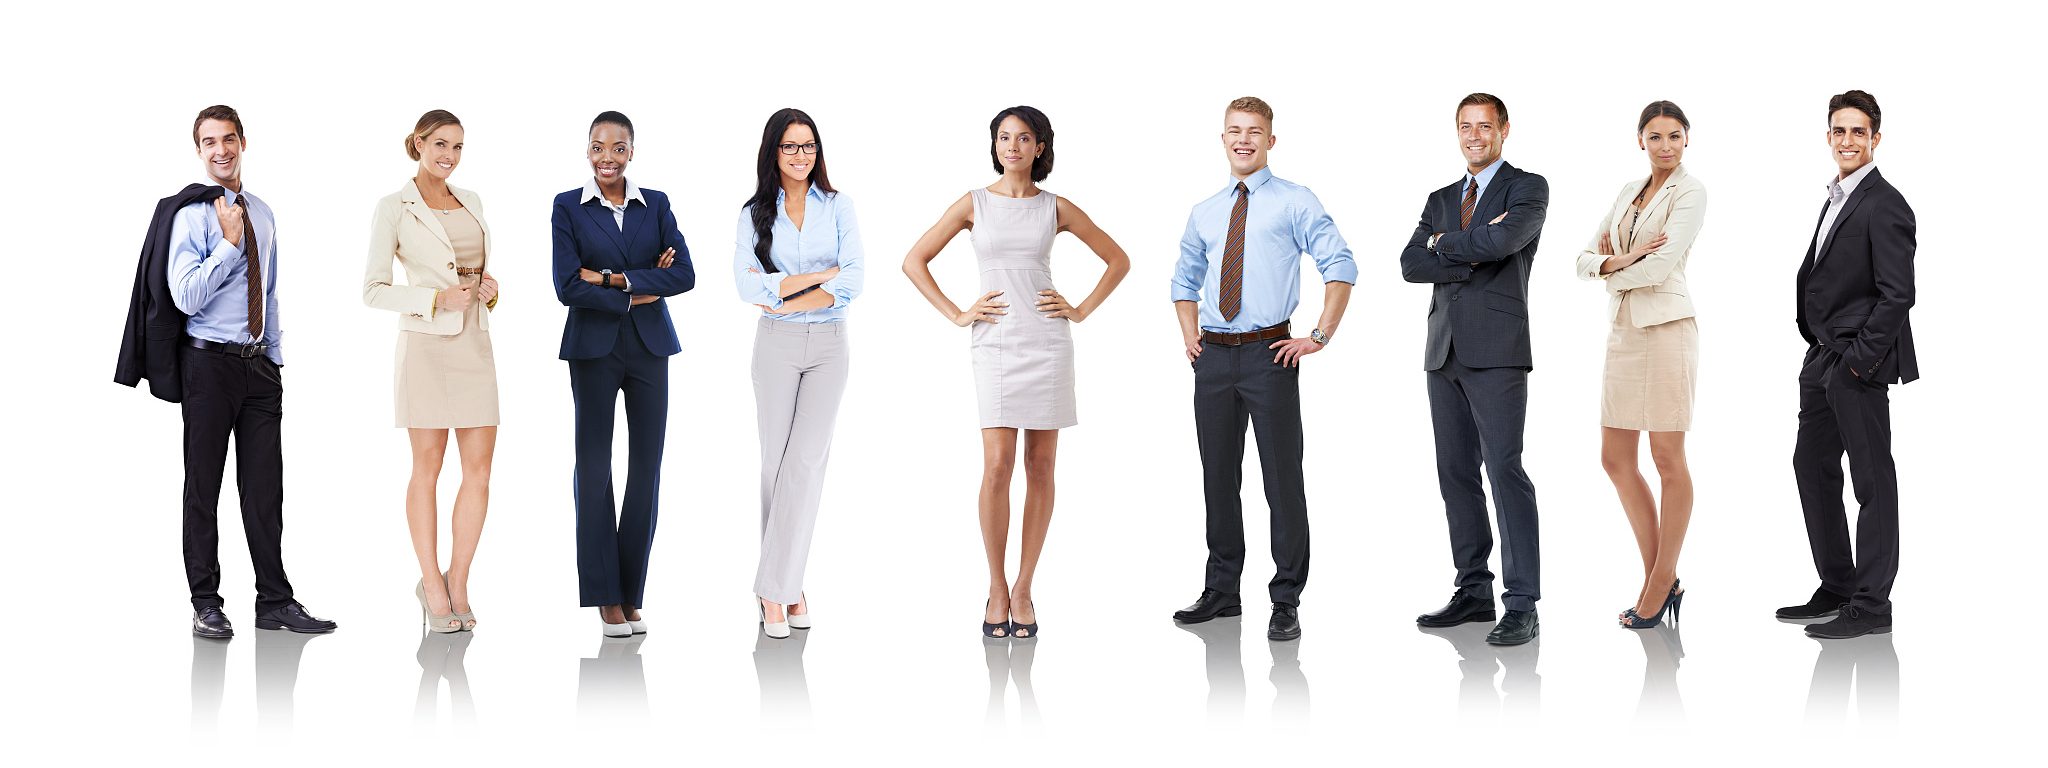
1283, 220
209, 277
1485, 179
830, 238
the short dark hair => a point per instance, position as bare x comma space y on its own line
1040, 125
1659, 109
1859, 101
220, 112
1500, 108
615, 118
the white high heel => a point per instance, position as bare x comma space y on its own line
799, 620
778, 630
615, 630
639, 626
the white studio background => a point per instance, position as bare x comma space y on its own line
100, 102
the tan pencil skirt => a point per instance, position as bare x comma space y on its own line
1651, 373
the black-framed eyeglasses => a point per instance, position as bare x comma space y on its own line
808, 148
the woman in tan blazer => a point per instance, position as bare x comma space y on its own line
446, 376
1640, 252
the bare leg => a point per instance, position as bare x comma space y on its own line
472, 502
1618, 457
1667, 449
422, 515
998, 464
1041, 453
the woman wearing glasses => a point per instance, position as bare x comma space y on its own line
797, 256
1640, 252
617, 255
447, 377
1023, 361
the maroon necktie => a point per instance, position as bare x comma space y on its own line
1471, 197
255, 270
1231, 290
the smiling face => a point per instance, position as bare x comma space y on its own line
1246, 139
1665, 139
440, 151
1851, 139
610, 148
1481, 133
220, 148
1017, 147
797, 168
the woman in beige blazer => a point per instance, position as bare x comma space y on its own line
1640, 252
446, 376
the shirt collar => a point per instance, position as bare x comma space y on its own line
590, 192
231, 195
1848, 185
1485, 176
812, 192
1252, 182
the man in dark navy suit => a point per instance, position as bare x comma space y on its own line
1854, 290
1475, 244
617, 254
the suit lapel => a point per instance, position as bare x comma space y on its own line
474, 204
1849, 206
636, 225
1493, 201
1658, 197
417, 206
601, 217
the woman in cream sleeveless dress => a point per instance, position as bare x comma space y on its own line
1023, 359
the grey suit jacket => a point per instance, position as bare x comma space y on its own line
1480, 302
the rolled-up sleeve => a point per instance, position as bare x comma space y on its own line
1318, 237
1193, 265
852, 275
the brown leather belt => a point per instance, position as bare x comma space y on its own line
1236, 339
468, 271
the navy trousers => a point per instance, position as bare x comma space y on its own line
612, 542
1478, 415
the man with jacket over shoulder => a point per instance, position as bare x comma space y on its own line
1854, 289
1475, 245
203, 328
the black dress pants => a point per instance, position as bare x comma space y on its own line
1841, 413
227, 395
1235, 386
613, 540
1478, 416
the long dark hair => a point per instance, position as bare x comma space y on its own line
768, 177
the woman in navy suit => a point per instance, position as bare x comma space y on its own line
617, 255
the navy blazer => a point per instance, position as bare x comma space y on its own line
156, 329
586, 237
1488, 263
1854, 294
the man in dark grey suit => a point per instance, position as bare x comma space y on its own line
1477, 240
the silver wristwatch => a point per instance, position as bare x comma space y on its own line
1318, 336
1432, 240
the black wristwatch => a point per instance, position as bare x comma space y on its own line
607, 277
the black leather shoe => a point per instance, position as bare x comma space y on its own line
1516, 628
1462, 608
1285, 625
1213, 604
1852, 622
210, 622
1822, 605
295, 618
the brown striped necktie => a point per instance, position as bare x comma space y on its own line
255, 270
1471, 198
1230, 293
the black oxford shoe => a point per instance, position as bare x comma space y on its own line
1462, 608
295, 618
1822, 605
210, 622
1850, 622
1214, 603
1516, 628
1285, 624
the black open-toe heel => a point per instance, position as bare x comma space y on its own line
1633, 620
1018, 626
990, 630
1631, 611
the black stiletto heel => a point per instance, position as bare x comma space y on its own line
1634, 620
990, 630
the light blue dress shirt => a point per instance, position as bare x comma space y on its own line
209, 277
1485, 178
1283, 220
830, 238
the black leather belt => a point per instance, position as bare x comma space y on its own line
240, 350
1237, 339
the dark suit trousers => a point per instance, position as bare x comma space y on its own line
243, 397
1235, 386
1478, 414
612, 542
1839, 413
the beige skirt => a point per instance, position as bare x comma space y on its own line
1650, 375
448, 382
